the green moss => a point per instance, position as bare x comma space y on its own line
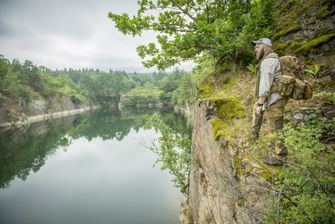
292, 27
238, 166
326, 30
220, 128
265, 173
322, 13
294, 45
227, 109
205, 91
281, 47
307, 46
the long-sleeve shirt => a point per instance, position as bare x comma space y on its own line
269, 72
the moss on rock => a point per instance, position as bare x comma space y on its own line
281, 47
307, 46
293, 27
220, 128
323, 12
227, 108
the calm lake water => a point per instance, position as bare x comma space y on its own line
93, 168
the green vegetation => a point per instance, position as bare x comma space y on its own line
307, 46
146, 90
174, 151
323, 12
26, 82
226, 109
291, 16
217, 36
292, 28
307, 180
189, 29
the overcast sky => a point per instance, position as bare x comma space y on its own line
70, 33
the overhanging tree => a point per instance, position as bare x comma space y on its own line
189, 28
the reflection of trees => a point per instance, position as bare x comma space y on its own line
104, 124
24, 151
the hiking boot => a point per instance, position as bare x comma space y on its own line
273, 162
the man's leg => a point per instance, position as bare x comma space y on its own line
275, 120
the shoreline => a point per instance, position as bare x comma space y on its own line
48, 116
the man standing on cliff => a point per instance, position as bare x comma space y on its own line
269, 105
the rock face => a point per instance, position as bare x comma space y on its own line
307, 31
19, 113
187, 112
220, 191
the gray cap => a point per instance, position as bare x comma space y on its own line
266, 41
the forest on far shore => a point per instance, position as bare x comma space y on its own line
25, 81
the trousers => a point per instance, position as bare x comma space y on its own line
273, 116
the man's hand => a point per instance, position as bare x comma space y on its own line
258, 110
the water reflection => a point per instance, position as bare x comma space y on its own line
92, 168
25, 150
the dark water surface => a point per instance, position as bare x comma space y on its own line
92, 168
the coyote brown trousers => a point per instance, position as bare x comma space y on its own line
273, 119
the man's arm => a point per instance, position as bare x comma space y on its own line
268, 68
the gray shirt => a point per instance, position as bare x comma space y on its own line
270, 71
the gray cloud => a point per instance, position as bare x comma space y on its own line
69, 33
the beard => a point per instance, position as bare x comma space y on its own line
260, 54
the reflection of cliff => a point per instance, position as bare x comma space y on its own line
23, 151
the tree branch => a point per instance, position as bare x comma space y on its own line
181, 9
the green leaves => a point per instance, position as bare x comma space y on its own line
189, 29
308, 176
314, 70
132, 26
174, 151
252, 69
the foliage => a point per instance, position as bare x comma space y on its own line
188, 29
307, 180
187, 90
13, 86
258, 20
252, 68
329, 95
314, 70
24, 82
27, 82
147, 90
173, 150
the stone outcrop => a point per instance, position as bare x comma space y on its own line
305, 29
21, 113
224, 186
187, 112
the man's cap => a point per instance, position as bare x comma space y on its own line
266, 41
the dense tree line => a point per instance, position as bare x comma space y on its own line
26, 81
